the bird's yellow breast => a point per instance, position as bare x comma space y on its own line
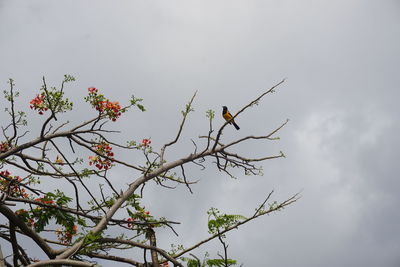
227, 116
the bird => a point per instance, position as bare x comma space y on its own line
228, 117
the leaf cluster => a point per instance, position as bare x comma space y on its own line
218, 222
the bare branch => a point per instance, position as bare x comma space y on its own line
272, 89
184, 113
114, 258
14, 124
20, 249
184, 178
66, 262
141, 245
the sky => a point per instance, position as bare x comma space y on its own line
341, 61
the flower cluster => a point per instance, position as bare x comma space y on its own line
146, 142
38, 103
5, 173
65, 236
12, 184
93, 90
4, 147
45, 200
52, 98
103, 149
130, 220
112, 109
141, 215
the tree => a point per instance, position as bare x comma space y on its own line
74, 154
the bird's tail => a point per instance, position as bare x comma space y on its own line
236, 126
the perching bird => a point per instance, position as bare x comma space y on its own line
228, 117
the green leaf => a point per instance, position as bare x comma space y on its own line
219, 262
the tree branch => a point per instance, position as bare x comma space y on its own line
60, 262
185, 113
283, 204
28, 231
272, 89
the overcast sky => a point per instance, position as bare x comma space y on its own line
342, 64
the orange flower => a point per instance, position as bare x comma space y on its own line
4, 147
38, 103
104, 149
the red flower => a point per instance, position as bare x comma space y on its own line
4, 146
103, 105
38, 103
105, 159
146, 142
92, 90
5, 173
130, 220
